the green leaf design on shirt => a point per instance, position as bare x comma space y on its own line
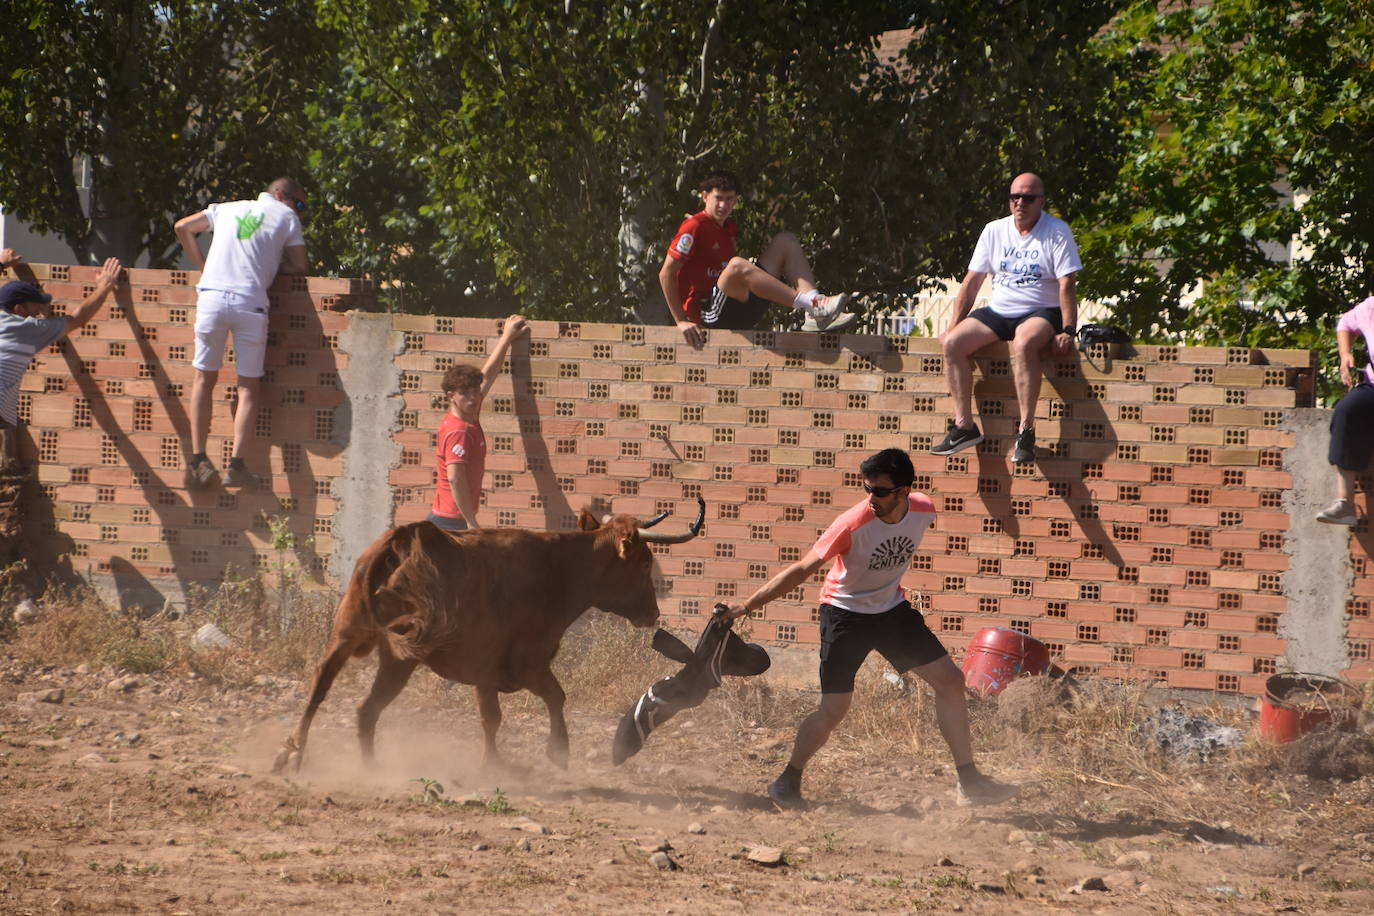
248, 225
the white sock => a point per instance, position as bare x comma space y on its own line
805, 301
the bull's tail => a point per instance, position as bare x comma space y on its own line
402, 586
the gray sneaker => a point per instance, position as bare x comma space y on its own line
203, 474
828, 314
243, 478
958, 439
1341, 512
983, 790
1025, 447
786, 793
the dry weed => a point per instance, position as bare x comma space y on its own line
75, 626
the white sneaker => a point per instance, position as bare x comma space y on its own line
828, 313
1341, 512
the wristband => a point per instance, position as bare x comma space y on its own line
1070, 330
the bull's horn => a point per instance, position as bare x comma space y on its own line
659, 537
651, 522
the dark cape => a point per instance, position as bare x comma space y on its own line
719, 651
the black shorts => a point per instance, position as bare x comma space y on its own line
899, 634
720, 311
1352, 429
1005, 328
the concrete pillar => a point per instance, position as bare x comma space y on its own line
1319, 575
364, 423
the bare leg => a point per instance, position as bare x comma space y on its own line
202, 390
741, 277
1345, 484
489, 704
392, 675
815, 729
335, 657
783, 257
1031, 337
960, 343
246, 413
951, 706
551, 692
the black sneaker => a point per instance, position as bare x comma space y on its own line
958, 439
786, 792
1025, 447
203, 474
983, 790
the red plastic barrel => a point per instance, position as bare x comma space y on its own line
1294, 704
997, 656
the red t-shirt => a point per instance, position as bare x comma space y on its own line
704, 247
462, 443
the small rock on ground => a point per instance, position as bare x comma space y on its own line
765, 855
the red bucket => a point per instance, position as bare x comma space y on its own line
1294, 704
997, 656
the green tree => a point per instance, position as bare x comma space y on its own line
162, 107
562, 141
1242, 102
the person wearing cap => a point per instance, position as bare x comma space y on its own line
706, 286
27, 325
1034, 263
251, 238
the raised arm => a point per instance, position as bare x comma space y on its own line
187, 228
106, 281
514, 326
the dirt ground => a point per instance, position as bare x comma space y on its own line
154, 794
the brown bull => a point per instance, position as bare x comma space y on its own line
486, 607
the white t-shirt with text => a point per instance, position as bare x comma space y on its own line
250, 236
871, 556
1025, 268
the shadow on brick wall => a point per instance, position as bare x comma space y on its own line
205, 531
559, 514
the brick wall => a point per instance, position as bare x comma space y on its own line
1150, 540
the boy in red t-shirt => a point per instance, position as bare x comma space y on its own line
462, 447
706, 285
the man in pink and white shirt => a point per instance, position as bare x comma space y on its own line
863, 609
1352, 421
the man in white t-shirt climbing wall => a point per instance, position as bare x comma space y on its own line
253, 241
862, 610
1033, 259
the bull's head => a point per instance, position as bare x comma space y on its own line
630, 593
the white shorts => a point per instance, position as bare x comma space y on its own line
218, 312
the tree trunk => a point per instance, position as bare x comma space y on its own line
641, 196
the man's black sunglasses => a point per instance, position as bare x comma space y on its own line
298, 204
880, 492
1026, 198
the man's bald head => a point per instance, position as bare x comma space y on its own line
286, 187
1028, 183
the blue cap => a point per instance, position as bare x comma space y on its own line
17, 292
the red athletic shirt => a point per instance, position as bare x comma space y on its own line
459, 443
704, 247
